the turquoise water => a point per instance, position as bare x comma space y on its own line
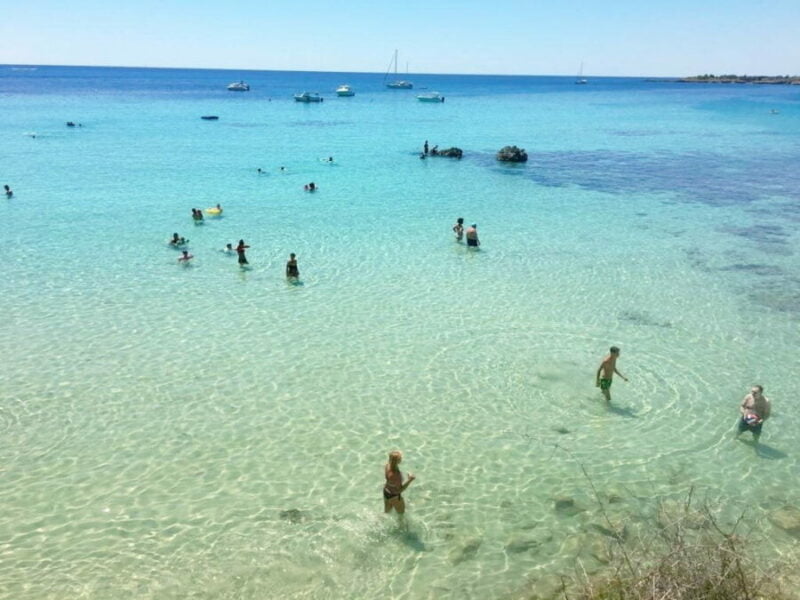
209, 432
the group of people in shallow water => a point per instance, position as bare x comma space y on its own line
754, 409
471, 233
292, 270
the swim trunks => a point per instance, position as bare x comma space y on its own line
745, 426
605, 384
472, 242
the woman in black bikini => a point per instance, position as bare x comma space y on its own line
394, 487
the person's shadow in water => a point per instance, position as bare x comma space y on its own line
764, 451
410, 538
622, 411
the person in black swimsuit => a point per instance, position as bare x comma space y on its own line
240, 251
291, 267
394, 486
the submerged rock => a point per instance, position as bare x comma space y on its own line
453, 152
565, 505
512, 154
788, 519
293, 515
467, 551
518, 545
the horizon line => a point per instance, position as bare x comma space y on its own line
29, 65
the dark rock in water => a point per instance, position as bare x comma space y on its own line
467, 551
512, 154
520, 544
566, 506
449, 152
562, 430
293, 515
788, 519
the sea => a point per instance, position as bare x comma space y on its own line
208, 431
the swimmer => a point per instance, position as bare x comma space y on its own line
292, 271
394, 486
218, 207
228, 249
9, 193
177, 240
458, 228
472, 236
240, 251
186, 257
330, 159
197, 214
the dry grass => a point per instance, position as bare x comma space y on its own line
689, 558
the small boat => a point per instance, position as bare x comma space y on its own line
210, 117
431, 97
239, 86
345, 90
308, 97
398, 84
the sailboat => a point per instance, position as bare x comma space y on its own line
397, 84
580, 80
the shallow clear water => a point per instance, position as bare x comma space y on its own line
209, 432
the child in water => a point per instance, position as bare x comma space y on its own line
186, 257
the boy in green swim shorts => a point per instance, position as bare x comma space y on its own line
605, 373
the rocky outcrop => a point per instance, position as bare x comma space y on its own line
512, 154
448, 152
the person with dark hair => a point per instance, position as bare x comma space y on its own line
9, 193
605, 373
755, 409
472, 236
292, 272
458, 228
240, 251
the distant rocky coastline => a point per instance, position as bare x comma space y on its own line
762, 79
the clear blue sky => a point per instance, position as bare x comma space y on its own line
617, 37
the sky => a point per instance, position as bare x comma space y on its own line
613, 38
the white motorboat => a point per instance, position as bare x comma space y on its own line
239, 86
345, 90
397, 84
431, 97
308, 97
